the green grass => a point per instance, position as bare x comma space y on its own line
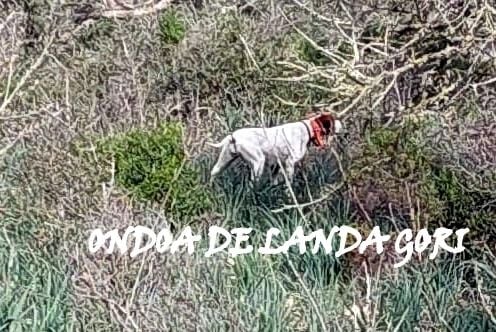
34, 279
249, 292
172, 28
268, 291
34, 289
260, 287
152, 166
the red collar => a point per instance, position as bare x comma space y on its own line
318, 133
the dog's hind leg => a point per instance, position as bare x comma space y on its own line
226, 157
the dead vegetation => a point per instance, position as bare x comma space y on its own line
414, 81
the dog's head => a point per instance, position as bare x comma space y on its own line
329, 122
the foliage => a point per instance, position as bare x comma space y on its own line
34, 285
397, 158
172, 29
311, 54
152, 166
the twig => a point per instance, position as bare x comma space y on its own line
11, 144
9, 96
116, 13
482, 296
366, 215
249, 52
476, 85
289, 207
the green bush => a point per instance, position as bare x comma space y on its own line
309, 53
96, 34
395, 158
224, 74
453, 204
152, 166
172, 28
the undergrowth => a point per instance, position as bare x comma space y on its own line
397, 170
34, 280
151, 165
172, 28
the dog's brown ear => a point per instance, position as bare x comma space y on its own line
327, 122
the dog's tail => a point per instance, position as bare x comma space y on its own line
216, 145
227, 140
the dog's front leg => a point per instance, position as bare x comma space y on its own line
253, 178
289, 169
275, 174
257, 171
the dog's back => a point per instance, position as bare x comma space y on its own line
282, 141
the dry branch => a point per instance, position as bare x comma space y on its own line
149, 8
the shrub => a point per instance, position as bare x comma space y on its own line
453, 204
309, 53
96, 33
387, 162
152, 166
394, 159
220, 70
171, 27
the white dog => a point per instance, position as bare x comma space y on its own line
282, 145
